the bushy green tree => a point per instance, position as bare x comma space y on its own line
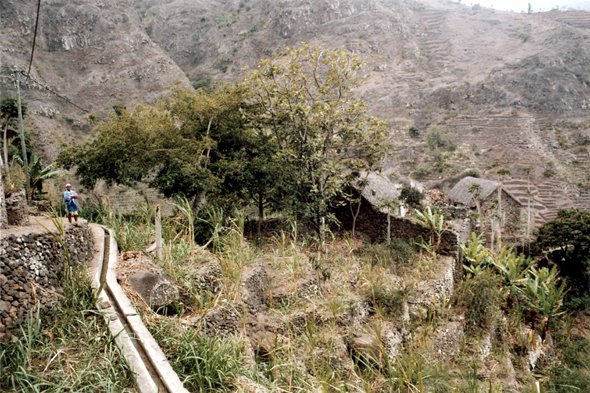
323, 136
437, 138
568, 238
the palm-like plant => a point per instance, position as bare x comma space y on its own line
38, 174
435, 223
475, 252
543, 295
514, 270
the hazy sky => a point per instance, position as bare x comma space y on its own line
522, 5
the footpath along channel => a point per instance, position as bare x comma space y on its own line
141, 351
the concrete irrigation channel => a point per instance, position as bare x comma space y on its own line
142, 353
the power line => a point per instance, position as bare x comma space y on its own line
52, 92
34, 38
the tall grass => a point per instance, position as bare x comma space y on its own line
67, 350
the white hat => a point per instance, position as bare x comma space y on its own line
68, 185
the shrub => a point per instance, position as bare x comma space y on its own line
437, 138
422, 172
414, 132
549, 172
524, 36
480, 296
200, 84
13, 179
411, 196
473, 172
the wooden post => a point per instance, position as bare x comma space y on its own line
159, 252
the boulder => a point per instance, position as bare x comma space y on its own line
254, 287
448, 339
392, 340
157, 291
365, 348
208, 277
222, 321
17, 210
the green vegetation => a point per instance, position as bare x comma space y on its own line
244, 144
414, 132
437, 138
305, 307
524, 36
205, 364
569, 236
68, 349
38, 174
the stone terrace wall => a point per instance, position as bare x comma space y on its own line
30, 269
373, 223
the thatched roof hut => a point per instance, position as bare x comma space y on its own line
380, 188
460, 193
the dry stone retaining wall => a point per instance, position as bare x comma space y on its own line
373, 223
30, 270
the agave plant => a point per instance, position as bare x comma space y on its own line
38, 174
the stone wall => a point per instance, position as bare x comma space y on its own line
17, 210
511, 210
373, 224
3, 215
31, 267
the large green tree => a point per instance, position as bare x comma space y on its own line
194, 143
567, 237
325, 140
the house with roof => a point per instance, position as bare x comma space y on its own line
482, 195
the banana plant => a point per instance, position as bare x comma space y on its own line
514, 270
475, 252
543, 294
38, 174
435, 223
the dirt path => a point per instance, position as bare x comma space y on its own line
36, 226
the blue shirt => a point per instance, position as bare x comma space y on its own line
68, 197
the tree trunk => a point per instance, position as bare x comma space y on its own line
6, 143
388, 227
260, 210
355, 215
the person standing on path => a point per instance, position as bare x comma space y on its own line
71, 198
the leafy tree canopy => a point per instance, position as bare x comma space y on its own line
569, 232
324, 139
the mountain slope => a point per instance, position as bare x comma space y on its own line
91, 53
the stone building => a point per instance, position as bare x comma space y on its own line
487, 199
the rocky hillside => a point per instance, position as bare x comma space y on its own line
511, 88
89, 54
